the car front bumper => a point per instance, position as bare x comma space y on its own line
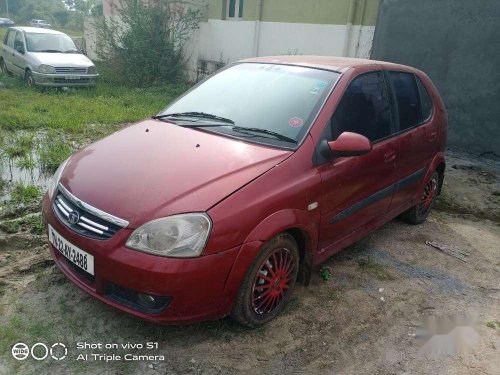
194, 287
60, 80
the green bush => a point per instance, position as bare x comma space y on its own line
144, 45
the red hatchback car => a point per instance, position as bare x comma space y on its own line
222, 202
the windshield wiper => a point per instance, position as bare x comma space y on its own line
244, 130
276, 135
201, 115
72, 51
50, 50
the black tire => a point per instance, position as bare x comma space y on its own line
28, 78
258, 300
4, 69
419, 213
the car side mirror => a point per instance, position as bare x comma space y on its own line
20, 49
350, 144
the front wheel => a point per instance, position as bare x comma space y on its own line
268, 283
28, 77
419, 213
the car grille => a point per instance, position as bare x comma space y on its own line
82, 221
70, 70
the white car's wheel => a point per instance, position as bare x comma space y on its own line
28, 77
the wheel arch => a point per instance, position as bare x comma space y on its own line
302, 226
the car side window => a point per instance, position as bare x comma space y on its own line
425, 99
364, 108
407, 98
10, 39
19, 40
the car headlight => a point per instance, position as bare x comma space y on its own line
92, 69
46, 69
55, 178
178, 236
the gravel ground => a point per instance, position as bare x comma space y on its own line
366, 318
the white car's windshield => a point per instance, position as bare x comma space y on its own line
40, 42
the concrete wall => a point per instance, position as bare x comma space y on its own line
228, 41
322, 27
457, 43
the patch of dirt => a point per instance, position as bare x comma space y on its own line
472, 187
364, 319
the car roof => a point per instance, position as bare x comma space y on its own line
37, 30
338, 64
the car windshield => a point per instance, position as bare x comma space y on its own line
266, 103
41, 42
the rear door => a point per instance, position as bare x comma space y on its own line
8, 50
418, 134
357, 189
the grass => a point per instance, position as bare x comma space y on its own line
493, 324
25, 193
18, 145
53, 153
74, 110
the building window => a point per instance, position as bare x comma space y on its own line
234, 9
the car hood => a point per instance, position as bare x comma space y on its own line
154, 169
62, 59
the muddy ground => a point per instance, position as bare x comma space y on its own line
363, 318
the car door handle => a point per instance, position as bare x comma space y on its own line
389, 156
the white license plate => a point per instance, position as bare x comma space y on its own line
72, 77
75, 255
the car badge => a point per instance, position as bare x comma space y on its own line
74, 217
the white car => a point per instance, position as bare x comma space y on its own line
40, 23
46, 58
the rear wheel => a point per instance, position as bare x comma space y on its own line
3, 68
268, 283
419, 213
28, 77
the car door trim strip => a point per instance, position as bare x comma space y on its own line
379, 195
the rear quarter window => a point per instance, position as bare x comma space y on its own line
425, 100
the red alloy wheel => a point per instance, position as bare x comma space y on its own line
273, 281
430, 192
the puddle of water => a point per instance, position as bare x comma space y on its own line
12, 174
12, 171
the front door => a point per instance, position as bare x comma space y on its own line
18, 57
358, 189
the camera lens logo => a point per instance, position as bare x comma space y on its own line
58, 351
39, 351
20, 351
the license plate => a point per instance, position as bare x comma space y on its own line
75, 255
72, 77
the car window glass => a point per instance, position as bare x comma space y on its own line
408, 99
278, 98
18, 41
10, 39
364, 109
425, 99
37, 42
